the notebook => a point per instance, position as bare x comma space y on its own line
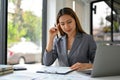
5, 69
55, 70
106, 62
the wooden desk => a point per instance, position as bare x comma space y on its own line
30, 74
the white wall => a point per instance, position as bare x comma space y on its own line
83, 12
51, 13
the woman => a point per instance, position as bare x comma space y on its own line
73, 48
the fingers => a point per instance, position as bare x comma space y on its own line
53, 29
57, 26
76, 66
81, 66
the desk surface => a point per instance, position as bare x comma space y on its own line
30, 74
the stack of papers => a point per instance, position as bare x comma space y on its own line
55, 70
5, 69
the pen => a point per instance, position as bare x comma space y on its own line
47, 72
55, 26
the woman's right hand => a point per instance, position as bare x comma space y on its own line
53, 32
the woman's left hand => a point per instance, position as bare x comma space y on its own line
81, 66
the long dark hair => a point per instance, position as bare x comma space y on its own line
70, 12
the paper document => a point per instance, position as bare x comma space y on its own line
55, 70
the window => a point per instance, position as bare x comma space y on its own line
106, 20
24, 36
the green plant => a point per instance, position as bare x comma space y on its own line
116, 26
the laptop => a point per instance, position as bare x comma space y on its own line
107, 61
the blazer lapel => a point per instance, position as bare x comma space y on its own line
64, 48
75, 44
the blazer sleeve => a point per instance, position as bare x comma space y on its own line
50, 57
92, 49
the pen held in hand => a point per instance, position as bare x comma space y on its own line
57, 34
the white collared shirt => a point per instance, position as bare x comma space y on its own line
68, 51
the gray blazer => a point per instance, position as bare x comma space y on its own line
83, 51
